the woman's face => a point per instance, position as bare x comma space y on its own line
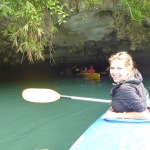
118, 70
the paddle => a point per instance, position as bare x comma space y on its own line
47, 95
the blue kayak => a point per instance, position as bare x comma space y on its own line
115, 134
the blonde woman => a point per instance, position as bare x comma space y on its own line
129, 96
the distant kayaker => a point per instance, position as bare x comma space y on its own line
129, 96
91, 70
84, 70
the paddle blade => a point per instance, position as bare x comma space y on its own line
40, 95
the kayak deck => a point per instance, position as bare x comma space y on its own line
115, 135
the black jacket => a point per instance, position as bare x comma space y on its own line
129, 96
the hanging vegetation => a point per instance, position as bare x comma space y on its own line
29, 26
130, 21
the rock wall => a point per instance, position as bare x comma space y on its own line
90, 36
84, 36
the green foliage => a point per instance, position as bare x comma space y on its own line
138, 9
27, 29
92, 3
30, 25
129, 20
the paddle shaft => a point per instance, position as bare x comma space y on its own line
86, 99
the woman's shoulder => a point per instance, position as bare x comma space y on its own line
127, 87
122, 88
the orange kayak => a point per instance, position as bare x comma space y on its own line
92, 75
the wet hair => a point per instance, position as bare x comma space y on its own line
128, 61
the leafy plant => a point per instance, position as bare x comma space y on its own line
129, 20
31, 25
138, 10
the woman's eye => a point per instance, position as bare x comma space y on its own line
118, 68
111, 68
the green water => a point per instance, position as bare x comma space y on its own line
52, 126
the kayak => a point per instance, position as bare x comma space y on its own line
92, 75
115, 134
104, 73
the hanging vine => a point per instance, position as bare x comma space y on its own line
27, 29
30, 25
129, 21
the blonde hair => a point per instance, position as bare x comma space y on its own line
128, 61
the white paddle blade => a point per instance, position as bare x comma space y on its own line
40, 95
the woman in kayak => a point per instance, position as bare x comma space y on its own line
129, 96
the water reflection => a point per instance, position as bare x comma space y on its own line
53, 126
